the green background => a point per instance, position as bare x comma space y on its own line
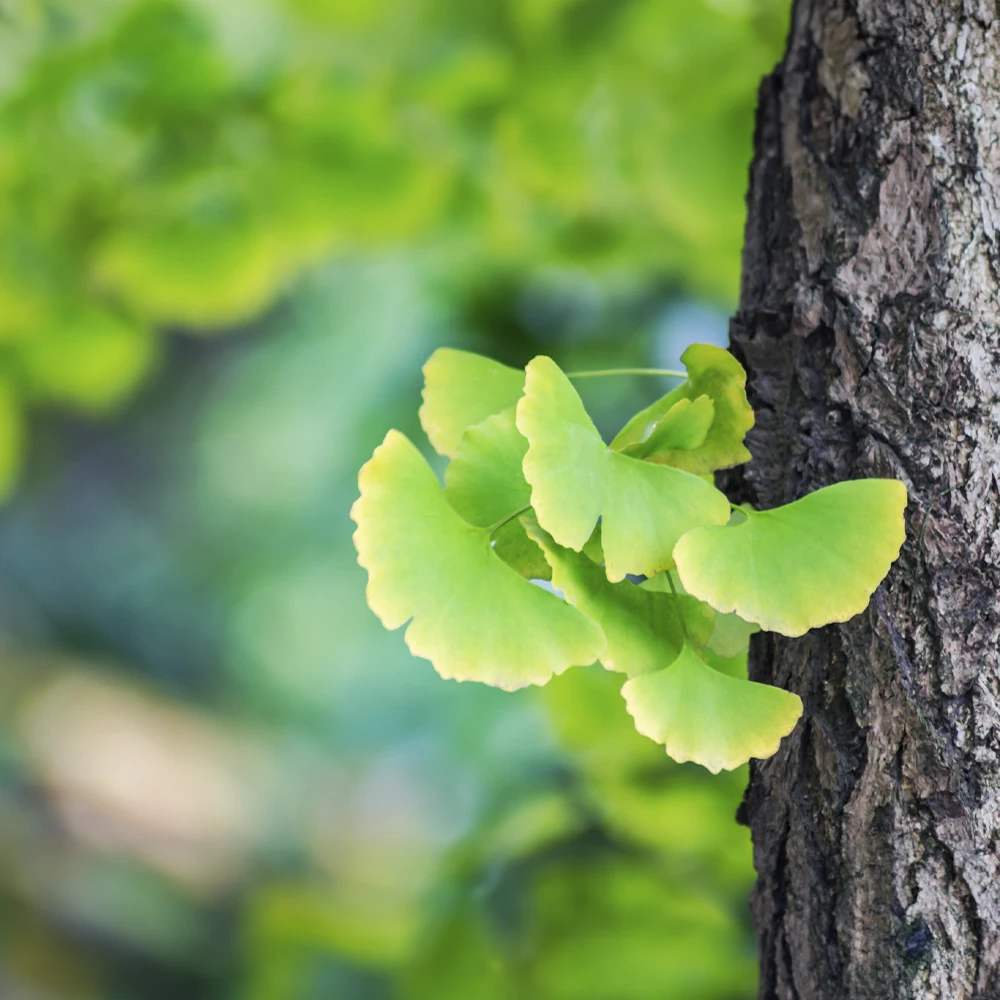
231, 231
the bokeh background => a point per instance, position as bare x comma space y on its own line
231, 231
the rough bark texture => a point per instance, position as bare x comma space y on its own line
870, 325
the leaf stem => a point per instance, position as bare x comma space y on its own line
677, 603
601, 372
506, 520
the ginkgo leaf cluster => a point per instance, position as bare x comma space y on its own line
654, 572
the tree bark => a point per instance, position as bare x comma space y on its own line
870, 326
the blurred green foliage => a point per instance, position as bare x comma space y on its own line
290, 807
171, 164
219, 777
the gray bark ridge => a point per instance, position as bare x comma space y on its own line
870, 325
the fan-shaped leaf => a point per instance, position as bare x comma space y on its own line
815, 561
512, 544
715, 373
485, 484
593, 549
701, 714
462, 389
643, 628
484, 481
473, 617
730, 634
575, 479
683, 427
733, 666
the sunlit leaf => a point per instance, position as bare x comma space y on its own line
462, 389
730, 634
812, 562
644, 629
593, 549
484, 482
715, 373
591, 722
512, 544
473, 617
703, 715
733, 666
684, 426
576, 479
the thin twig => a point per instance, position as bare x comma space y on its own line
506, 520
677, 604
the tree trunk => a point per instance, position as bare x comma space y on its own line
870, 326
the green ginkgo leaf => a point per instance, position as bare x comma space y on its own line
576, 479
683, 427
714, 719
734, 666
644, 629
484, 482
593, 548
462, 389
512, 544
473, 617
812, 562
730, 635
715, 373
